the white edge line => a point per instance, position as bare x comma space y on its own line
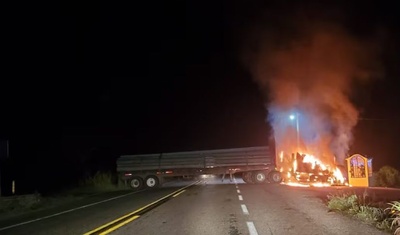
252, 228
244, 209
67, 211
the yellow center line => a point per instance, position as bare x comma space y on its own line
136, 211
179, 193
119, 225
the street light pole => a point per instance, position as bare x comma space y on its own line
292, 117
297, 130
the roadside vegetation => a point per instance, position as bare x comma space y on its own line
383, 215
387, 176
96, 183
100, 182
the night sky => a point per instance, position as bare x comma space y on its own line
86, 82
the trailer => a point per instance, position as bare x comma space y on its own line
256, 165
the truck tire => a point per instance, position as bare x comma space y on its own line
248, 177
136, 182
275, 177
151, 181
260, 177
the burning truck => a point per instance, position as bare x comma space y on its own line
309, 150
306, 169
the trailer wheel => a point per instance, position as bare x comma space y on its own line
248, 177
151, 181
260, 177
275, 177
136, 183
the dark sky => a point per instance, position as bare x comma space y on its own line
89, 80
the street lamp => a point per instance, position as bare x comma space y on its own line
292, 117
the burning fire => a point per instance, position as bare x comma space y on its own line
320, 184
314, 161
338, 175
309, 107
294, 184
305, 170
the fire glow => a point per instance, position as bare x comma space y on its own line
314, 161
303, 170
339, 176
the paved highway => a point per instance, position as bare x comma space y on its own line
206, 207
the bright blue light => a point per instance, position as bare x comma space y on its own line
292, 117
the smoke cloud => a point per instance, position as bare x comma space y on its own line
309, 74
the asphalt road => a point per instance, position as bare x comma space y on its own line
215, 208
84, 215
210, 207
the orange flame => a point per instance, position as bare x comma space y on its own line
313, 160
320, 184
338, 175
294, 184
323, 171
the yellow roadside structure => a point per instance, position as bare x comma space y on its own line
359, 170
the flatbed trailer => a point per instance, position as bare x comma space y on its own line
253, 164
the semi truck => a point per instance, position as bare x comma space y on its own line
310, 170
256, 165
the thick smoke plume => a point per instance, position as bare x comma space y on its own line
310, 77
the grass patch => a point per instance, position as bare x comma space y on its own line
99, 182
395, 211
21, 203
345, 202
383, 216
